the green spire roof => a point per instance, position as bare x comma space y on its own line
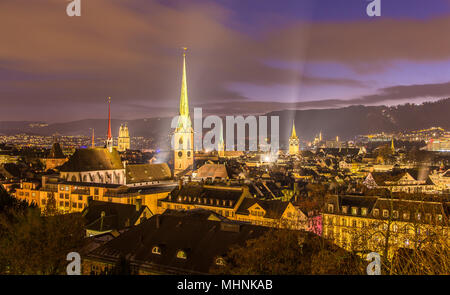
184, 106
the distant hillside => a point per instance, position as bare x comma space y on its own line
344, 122
351, 121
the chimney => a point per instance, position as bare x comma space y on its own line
158, 221
102, 215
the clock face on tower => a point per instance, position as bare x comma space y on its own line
180, 154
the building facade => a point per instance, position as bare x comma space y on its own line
364, 224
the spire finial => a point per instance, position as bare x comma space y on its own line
109, 118
109, 140
294, 134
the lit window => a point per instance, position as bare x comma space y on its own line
376, 212
220, 261
363, 211
385, 213
395, 214
181, 254
344, 209
406, 216
156, 250
330, 208
354, 211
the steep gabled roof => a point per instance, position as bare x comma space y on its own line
194, 232
137, 173
274, 208
116, 216
212, 170
93, 159
56, 152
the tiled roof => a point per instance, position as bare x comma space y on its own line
202, 238
137, 173
212, 170
116, 216
93, 159
274, 208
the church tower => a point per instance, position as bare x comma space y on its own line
184, 134
293, 142
123, 142
109, 139
392, 145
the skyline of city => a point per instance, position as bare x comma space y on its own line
226, 137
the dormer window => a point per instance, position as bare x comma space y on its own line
156, 250
181, 254
406, 215
395, 214
344, 209
385, 213
354, 210
418, 216
376, 212
363, 211
330, 208
220, 261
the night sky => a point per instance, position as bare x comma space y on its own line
251, 56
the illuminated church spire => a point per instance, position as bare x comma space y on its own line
184, 120
294, 134
109, 140
392, 145
184, 134
293, 141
